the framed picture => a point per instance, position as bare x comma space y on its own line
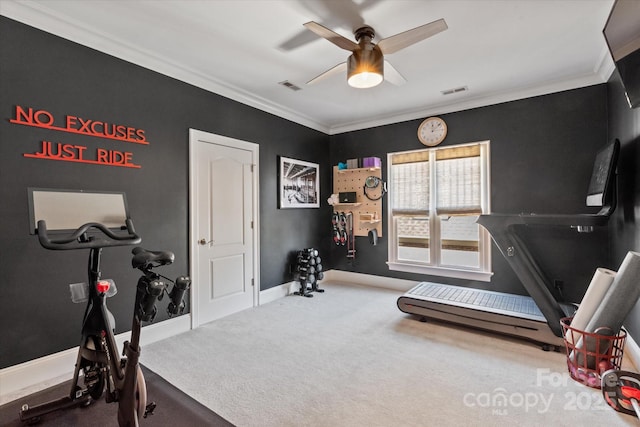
298, 184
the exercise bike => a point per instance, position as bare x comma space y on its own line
98, 358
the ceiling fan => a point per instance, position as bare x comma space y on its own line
366, 66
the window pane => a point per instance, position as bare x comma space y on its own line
458, 185
412, 238
460, 237
410, 187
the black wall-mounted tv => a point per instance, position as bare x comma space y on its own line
622, 33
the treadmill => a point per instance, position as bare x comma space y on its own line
535, 317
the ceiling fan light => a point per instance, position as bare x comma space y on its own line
365, 80
365, 69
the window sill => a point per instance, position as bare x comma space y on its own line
441, 271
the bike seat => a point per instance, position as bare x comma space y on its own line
143, 258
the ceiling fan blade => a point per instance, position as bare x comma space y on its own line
392, 75
345, 14
400, 41
340, 68
332, 36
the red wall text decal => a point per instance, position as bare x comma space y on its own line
44, 119
75, 153
77, 125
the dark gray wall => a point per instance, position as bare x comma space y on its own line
542, 150
45, 72
542, 153
624, 124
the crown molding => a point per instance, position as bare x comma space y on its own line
37, 15
476, 102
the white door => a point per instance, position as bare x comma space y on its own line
223, 226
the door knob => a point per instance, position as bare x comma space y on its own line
204, 242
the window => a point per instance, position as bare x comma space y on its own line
435, 197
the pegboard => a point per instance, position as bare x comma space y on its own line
367, 214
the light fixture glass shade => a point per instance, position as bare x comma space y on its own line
365, 68
364, 80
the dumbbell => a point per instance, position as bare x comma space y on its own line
304, 260
310, 269
310, 260
312, 252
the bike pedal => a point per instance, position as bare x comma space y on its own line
148, 410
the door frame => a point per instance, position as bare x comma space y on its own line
201, 137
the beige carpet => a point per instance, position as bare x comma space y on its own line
349, 357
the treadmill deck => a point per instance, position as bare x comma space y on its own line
495, 302
515, 315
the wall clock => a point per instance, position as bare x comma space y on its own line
432, 131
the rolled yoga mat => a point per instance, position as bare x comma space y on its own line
621, 297
615, 306
600, 284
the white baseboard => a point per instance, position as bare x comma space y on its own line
288, 288
46, 371
52, 369
277, 292
369, 280
49, 370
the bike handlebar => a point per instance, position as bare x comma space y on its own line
74, 241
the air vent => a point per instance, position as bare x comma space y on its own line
290, 85
455, 90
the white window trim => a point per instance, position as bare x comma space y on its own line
483, 273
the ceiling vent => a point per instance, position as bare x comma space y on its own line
455, 90
290, 85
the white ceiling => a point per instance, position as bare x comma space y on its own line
500, 49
